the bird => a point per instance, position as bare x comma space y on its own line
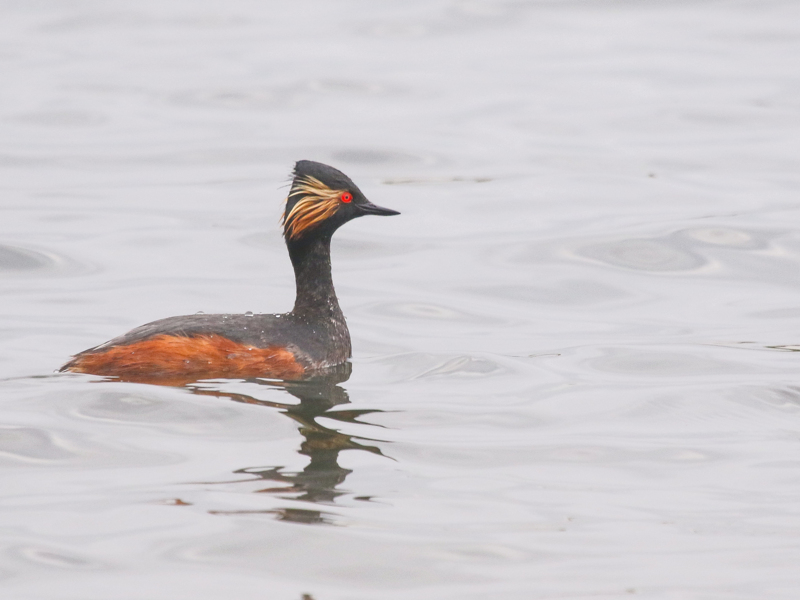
310, 338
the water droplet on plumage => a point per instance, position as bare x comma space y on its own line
249, 313
199, 312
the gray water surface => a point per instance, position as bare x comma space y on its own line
576, 369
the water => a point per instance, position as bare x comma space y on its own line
576, 367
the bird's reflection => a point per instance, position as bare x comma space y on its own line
319, 482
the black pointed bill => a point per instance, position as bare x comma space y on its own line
368, 208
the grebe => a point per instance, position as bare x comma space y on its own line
310, 338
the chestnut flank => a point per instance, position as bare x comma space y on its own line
187, 358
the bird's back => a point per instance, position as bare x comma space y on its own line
212, 346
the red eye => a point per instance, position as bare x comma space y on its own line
347, 197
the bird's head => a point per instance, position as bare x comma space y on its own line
321, 200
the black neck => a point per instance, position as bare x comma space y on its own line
316, 298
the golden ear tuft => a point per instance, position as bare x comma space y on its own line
318, 202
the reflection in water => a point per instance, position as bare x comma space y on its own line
319, 481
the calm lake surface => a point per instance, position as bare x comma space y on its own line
576, 369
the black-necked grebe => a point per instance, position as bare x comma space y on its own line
310, 338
